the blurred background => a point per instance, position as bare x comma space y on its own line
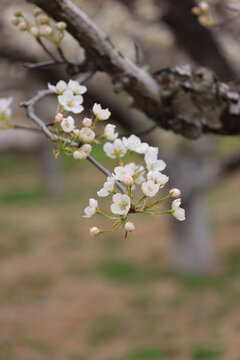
171, 290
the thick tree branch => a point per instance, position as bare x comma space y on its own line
188, 102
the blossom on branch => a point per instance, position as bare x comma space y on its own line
102, 114
109, 132
68, 124
71, 102
108, 187
115, 149
121, 204
177, 211
133, 143
149, 188
91, 209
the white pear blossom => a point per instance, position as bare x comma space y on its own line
83, 152
109, 132
177, 211
68, 124
108, 187
149, 188
45, 30
91, 209
60, 87
151, 160
121, 171
121, 204
102, 114
87, 148
129, 226
71, 102
34, 31
87, 135
94, 231
158, 178
139, 175
76, 88
79, 155
133, 143
5, 106
115, 149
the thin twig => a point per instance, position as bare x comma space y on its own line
61, 53
43, 64
46, 49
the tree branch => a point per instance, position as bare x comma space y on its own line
190, 107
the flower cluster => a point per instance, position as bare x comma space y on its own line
41, 26
76, 141
130, 177
5, 113
202, 11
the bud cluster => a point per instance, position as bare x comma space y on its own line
40, 26
202, 11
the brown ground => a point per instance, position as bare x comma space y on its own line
66, 296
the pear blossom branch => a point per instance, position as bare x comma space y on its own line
161, 97
30, 111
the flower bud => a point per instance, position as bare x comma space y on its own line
87, 122
15, 20
23, 26
37, 11
79, 155
94, 231
86, 148
196, 10
45, 30
58, 117
17, 13
174, 193
128, 180
43, 19
204, 7
205, 20
34, 31
61, 25
129, 226
76, 132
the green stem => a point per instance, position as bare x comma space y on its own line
107, 216
157, 202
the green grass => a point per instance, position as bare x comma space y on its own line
77, 356
37, 345
195, 282
21, 196
204, 353
142, 302
123, 271
105, 329
148, 353
232, 260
